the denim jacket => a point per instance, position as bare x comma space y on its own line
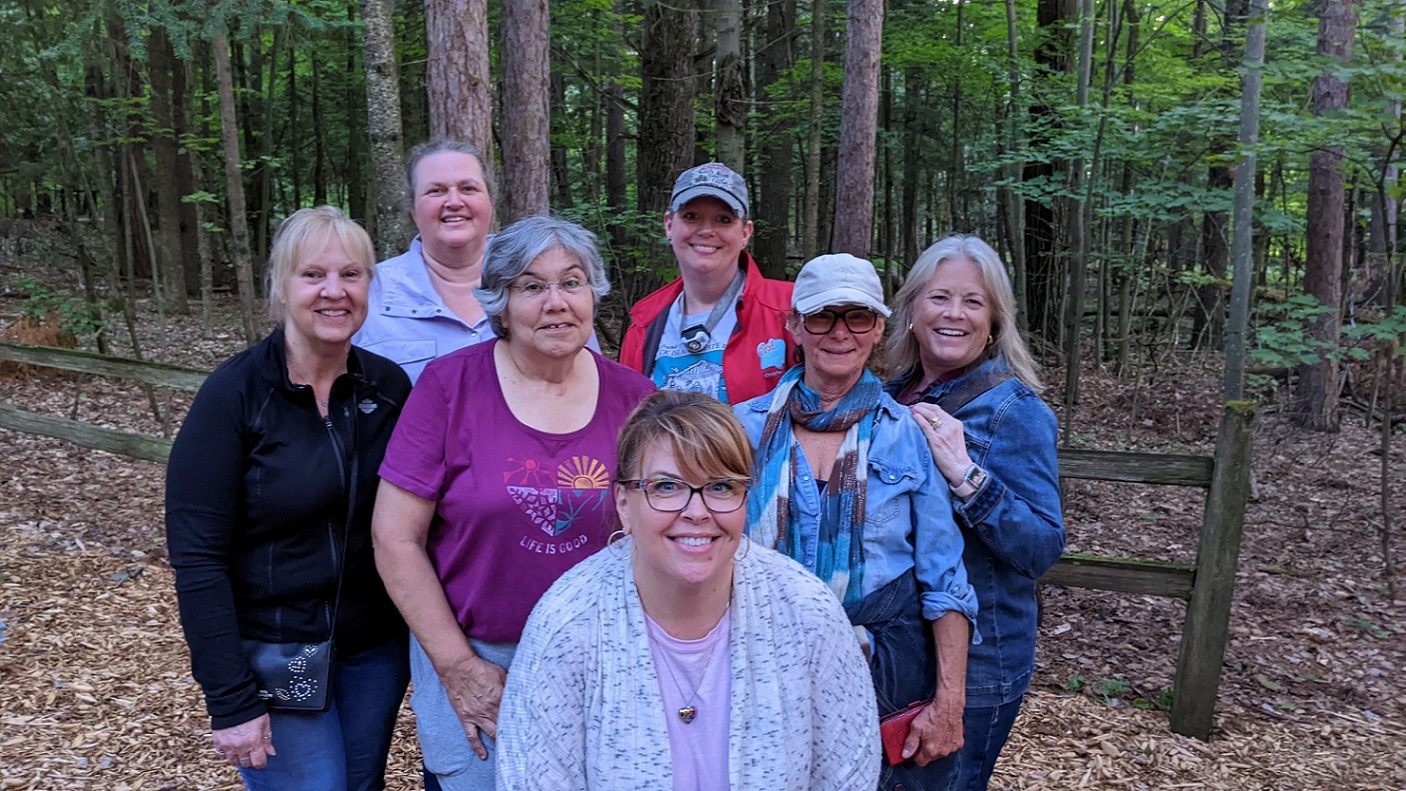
908, 515
1014, 527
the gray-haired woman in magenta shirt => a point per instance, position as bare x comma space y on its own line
496, 482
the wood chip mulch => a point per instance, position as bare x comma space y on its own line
96, 690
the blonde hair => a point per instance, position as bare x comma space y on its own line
903, 355
700, 431
305, 232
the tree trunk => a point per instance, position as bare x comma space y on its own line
616, 179
561, 170
730, 90
1042, 235
357, 143
666, 101
1078, 228
1316, 396
810, 241
319, 139
666, 132
527, 175
234, 188
1015, 219
460, 94
1208, 323
914, 88
1382, 232
1245, 204
854, 185
161, 60
773, 206
383, 125
191, 251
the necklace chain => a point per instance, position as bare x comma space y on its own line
689, 711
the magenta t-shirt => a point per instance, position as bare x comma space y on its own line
515, 507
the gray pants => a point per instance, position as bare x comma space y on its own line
443, 743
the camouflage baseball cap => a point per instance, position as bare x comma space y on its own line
713, 179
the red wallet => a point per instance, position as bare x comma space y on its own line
893, 730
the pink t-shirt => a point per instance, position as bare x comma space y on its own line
515, 507
696, 673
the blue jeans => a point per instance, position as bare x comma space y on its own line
903, 662
987, 728
346, 746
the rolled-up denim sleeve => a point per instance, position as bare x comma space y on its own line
938, 545
1017, 514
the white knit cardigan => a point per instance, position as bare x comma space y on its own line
582, 707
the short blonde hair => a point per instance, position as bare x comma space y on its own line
307, 231
903, 356
701, 432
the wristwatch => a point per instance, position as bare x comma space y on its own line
975, 478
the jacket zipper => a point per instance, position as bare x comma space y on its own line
332, 525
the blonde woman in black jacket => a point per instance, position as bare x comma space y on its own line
269, 493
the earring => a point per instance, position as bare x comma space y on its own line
744, 544
616, 545
990, 339
910, 326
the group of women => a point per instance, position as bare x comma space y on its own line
781, 572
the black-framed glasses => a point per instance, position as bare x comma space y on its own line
720, 496
857, 320
537, 289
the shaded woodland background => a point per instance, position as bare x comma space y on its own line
148, 150
1093, 141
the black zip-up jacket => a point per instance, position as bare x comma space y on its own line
256, 511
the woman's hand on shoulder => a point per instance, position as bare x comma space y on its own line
945, 439
248, 744
936, 732
475, 688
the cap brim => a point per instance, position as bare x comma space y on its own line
682, 198
840, 295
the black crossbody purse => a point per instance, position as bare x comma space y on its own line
298, 676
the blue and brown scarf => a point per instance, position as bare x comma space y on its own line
770, 508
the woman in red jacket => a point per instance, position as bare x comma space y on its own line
720, 328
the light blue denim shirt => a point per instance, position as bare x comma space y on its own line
1014, 527
407, 321
908, 512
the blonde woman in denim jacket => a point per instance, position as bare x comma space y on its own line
972, 388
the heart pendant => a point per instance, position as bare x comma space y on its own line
687, 713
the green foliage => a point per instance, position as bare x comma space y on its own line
1368, 627
74, 317
1289, 340
1111, 688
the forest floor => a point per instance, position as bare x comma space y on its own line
96, 690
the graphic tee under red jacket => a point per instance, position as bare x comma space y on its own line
759, 350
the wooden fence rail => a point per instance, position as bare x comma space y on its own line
1207, 585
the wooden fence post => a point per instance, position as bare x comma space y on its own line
1207, 627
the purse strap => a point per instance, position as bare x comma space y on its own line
346, 526
970, 387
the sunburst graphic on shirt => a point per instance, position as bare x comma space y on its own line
582, 472
526, 471
582, 487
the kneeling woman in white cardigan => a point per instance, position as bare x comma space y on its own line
682, 656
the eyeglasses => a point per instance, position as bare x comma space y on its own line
857, 320
537, 289
721, 496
